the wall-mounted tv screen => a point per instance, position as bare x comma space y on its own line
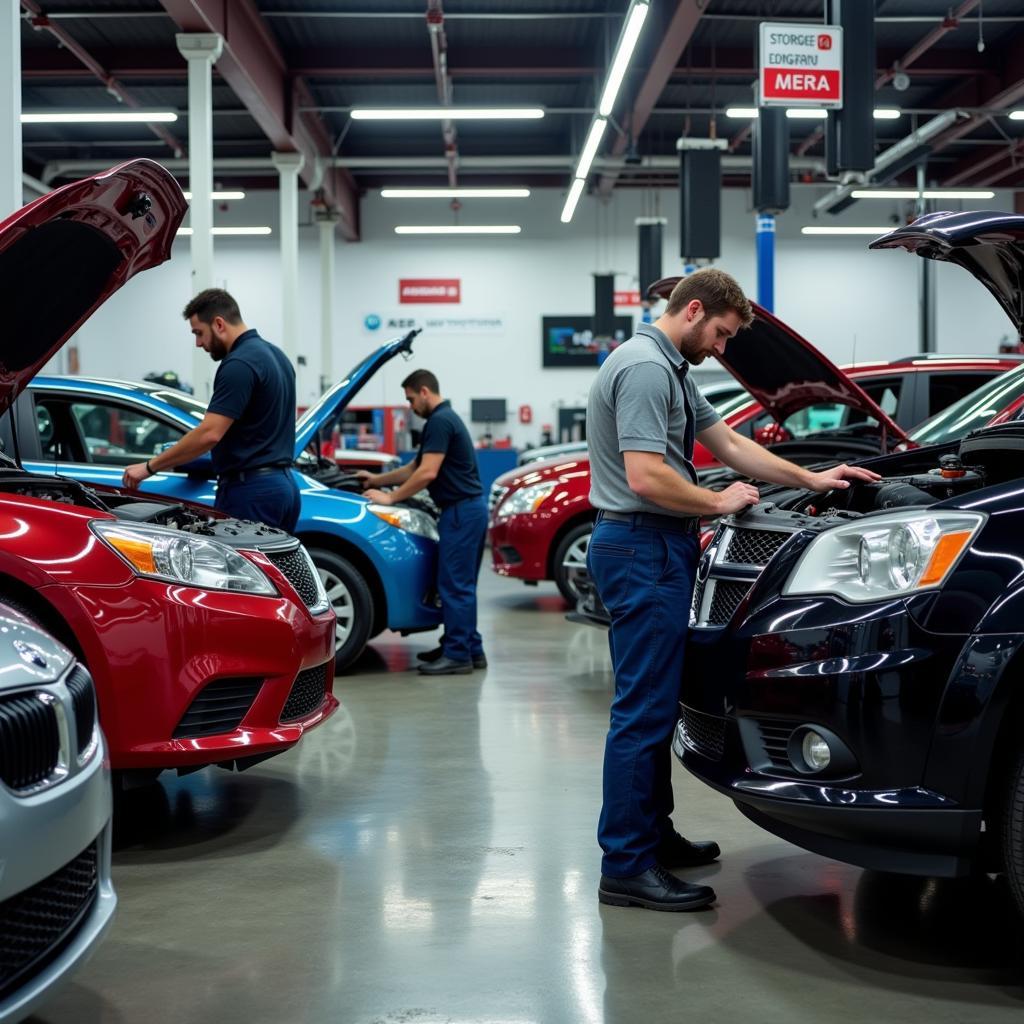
488, 410
569, 340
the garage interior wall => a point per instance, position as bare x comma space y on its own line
852, 303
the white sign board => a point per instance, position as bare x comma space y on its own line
800, 65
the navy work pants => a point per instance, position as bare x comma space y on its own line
463, 530
645, 579
271, 498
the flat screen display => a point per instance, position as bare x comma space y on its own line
570, 341
488, 410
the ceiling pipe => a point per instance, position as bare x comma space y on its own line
439, 52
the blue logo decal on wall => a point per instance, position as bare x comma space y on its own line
372, 322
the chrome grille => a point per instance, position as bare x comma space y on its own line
703, 734
83, 704
726, 596
307, 693
754, 547
297, 570
29, 741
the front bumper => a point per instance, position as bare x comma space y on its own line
874, 680
521, 546
153, 648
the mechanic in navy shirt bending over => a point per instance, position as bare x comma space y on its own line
249, 424
446, 466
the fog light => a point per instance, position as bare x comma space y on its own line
815, 750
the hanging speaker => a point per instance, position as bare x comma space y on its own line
700, 204
771, 160
649, 249
850, 132
604, 305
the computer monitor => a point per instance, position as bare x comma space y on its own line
569, 340
488, 410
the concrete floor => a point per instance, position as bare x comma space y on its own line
429, 856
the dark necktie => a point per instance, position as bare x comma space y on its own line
689, 429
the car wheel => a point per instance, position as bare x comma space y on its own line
350, 598
571, 561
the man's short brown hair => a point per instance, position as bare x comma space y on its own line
212, 303
422, 379
717, 291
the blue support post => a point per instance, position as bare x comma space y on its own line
766, 261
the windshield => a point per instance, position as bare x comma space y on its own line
972, 411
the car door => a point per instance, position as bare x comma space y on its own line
942, 389
92, 437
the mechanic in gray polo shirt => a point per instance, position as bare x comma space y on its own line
643, 416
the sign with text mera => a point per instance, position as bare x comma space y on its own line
801, 65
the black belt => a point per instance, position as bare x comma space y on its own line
654, 520
241, 475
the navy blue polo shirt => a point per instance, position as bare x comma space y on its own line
445, 434
254, 386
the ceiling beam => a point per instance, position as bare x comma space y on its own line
252, 64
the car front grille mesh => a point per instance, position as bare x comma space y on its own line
29, 741
754, 547
307, 694
295, 567
83, 702
725, 599
36, 924
704, 734
219, 707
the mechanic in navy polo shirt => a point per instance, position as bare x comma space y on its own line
249, 424
446, 466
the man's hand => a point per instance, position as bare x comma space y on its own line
736, 497
380, 497
366, 478
134, 475
839, 478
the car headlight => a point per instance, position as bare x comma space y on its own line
884, 556
525, 500
412, 520
163, 554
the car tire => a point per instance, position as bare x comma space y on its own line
350, 598
1013, 830
570, 560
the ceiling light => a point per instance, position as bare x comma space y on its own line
958, 194
806, 113
231, 231
845, 231
221, 195
1017, 115
741, 112
623, 52
98, 117
459, 229
575, 191
912, 193
590, 147
887, 114
447, 114
454, 193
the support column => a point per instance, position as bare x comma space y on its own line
288, 166
328, 221
201, 50
766, 261
926, 273
10, 110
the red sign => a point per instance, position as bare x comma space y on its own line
627, 299
786, 84
429, 289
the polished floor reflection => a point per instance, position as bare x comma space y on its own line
428, 856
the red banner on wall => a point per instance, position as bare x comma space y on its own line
627, 299
429, 289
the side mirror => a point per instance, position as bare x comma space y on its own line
201, 467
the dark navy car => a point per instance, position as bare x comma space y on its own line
855, 669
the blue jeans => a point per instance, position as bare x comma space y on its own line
645, 579
463, 530
271, 498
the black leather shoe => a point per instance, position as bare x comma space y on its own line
677, 852
446, 667
479, 661
432, 655
655, 889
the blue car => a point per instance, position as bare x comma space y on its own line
378, 562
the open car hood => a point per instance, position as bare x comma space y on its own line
65, 254
335, 400
784, 371
988, 245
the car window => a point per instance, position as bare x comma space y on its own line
823, 416
885, 393
116, 435
973, 410
946, 388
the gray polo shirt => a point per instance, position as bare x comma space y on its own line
636, 404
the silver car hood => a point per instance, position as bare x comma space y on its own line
28, 656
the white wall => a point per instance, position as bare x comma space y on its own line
850, 302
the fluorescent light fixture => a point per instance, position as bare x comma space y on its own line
745, 113
447, 114
454, 193
98, 117
845, 231
809, 113
221, 195
806, 113
458, 229
912, 193
1017, 115
575, 191
623, 52
231, 231
887, 114
590, 147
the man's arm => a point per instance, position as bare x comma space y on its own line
198, 441
394, 476
751, 459
423, 474
649, 476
